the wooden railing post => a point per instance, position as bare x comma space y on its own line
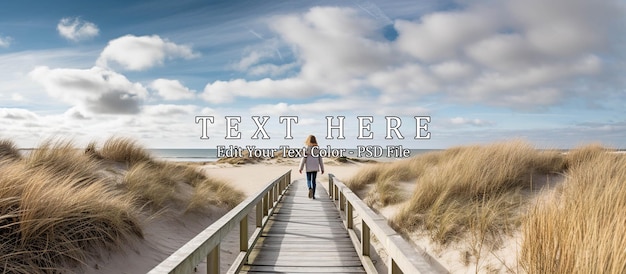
330, 185
266, 202
271, 198
365, 239
243, 234
342, 201
206, 245
349, 216
213, 261
393, 267
259, 214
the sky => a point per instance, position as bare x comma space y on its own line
549, 72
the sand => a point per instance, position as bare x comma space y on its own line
171, 229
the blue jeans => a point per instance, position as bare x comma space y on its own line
310, 180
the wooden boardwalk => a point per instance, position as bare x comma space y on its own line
304, 236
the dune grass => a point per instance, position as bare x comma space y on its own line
581, 228
61, 204
52, 219
8, 150
480, 194
123, 150
473, 189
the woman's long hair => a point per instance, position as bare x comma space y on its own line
310, 141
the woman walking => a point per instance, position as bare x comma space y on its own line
312, 163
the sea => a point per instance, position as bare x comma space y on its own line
210, 155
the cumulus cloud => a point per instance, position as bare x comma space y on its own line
95, 90
142, 52
75, 114
336, 49
404, 83
343, 105
172, 89
227, 91
5, 41
461, 121
17, 114
437, 36
76, 29
167, 110
498, 54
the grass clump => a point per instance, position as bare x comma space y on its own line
61, 205
8, 150
151, 183
212, 191
50, 221
474, 187
60, 158
581, 228
124, 150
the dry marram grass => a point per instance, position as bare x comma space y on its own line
60, 204
581, 229
480, 193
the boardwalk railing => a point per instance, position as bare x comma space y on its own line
403, 258
207, 243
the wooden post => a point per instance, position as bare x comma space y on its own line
342, 202
275, 190
259, 213
213, 261
266, 198
393, 267
365, 239
336, 193
330, 185
271, 197
349, 216
243, 234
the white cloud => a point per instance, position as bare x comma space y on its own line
565, 27
438, 36
453, 71
335, 44
5, 41
17, 114
535, 86
227, 91
355, 106
335, 47
17, 97
168, 110
485, 53
76, 29
95, 90
249, 60
461, 121
76, 114
404, 83
271, 69
172, 89
142, 52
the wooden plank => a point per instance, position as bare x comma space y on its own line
308, 262
295, 269
305, 236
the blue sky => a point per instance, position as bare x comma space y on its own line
551, 73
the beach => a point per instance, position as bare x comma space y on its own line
168, 232
116, 208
